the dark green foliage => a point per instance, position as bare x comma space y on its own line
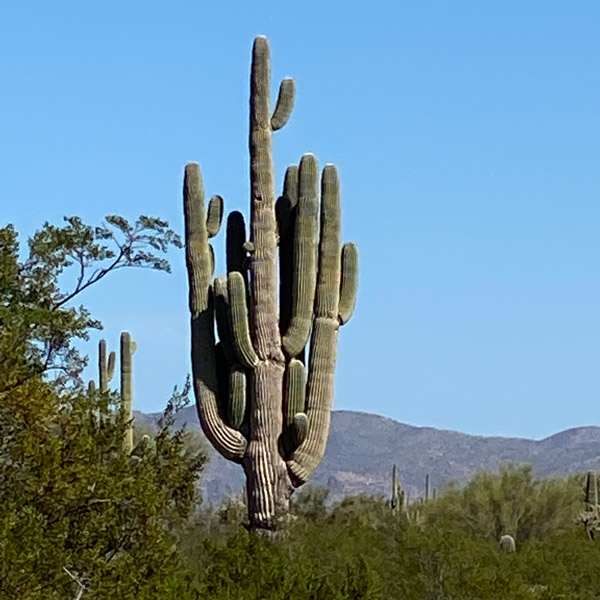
79, 517
357, 548
513, 502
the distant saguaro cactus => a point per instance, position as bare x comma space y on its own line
106, 369
257, 402
398, 495
590, 518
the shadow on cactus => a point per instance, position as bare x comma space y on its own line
261, 402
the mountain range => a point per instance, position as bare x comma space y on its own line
362, 448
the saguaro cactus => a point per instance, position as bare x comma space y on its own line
397, 491
128, 347
257, 402
106, 369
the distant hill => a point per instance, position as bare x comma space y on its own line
363, 447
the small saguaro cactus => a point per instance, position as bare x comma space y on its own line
427, 488
397, 491
128, 347
590, 517
106, 369
260, 402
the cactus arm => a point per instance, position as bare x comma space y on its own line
223, 317
265, 316
214, 216
240, 329
349, 282
236, 238
106, 368
226, 440
295, 391
237, 397
285, 103
304, 258
286, 218
286, 203
323, 343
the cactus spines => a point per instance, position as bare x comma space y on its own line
259, 402
507, 543
349, 283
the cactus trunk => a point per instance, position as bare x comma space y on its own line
257, 402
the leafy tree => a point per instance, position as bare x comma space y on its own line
513, 502
78, 516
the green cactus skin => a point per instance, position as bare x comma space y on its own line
427, 487
214, 216
258, 402
304, 258
128, 347
591, 489
106, 368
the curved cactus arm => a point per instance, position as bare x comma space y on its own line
240, 329
106, 368
214, 216
237, 397
304, 250
226, 440
349, 282
285, 103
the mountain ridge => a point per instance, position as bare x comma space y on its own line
363, 446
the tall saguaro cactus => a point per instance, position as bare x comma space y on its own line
106, 368
260, 403
128, 347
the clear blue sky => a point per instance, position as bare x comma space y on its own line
467, 135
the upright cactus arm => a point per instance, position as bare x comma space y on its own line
304, 261
323, 346
214, 216
106, 368
226, 440
349, 282
240, 328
